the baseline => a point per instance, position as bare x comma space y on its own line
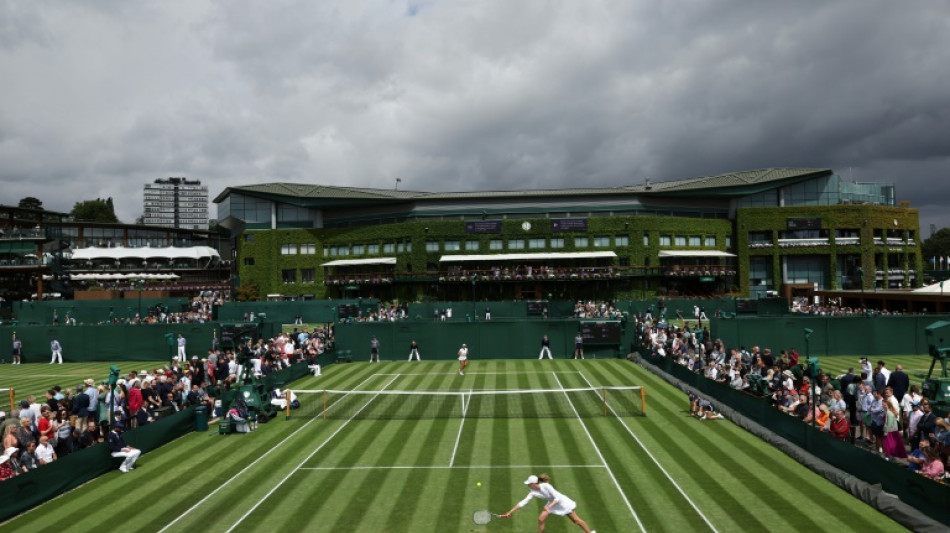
444, 467
657, 463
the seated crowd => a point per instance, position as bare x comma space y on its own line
873, 407
68, 420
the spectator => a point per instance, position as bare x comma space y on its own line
893, 442
907, 408
9, 437
840, 429
24, 434
89, 437
926, 426
64, 435
45, 454
80, 406
899, 382
28, 457
135, 403
917, 457
932, 466
6, 471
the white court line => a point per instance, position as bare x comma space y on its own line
246, 468
657, 463
604, 461
314, 452
443, 467
512, 373
459, 436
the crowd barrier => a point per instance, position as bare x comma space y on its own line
92, 311
927, 496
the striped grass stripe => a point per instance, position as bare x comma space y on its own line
394, 476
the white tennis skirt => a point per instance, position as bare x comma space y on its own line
564, 508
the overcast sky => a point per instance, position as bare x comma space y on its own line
99, 98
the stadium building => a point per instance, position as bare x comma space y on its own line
751, 233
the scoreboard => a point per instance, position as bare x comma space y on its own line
601, 332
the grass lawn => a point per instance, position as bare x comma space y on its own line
662, 472
915, 366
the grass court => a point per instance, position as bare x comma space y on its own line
662, 472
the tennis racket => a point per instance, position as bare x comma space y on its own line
483, 517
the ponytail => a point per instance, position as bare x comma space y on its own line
543, 478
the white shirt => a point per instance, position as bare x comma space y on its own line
546, 492
44, 453
463, 353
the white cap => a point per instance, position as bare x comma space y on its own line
531, 479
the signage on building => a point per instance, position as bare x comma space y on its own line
803, 223
569, 224
483, 226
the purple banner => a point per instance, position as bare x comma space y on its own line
569, 224
483, 226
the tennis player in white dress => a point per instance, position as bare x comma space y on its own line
557, 503
463, 359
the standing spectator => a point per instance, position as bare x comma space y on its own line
24, 433
884, 371
374, 349
135, 403
912, 418
93, 393
44, 452
9, 437
545, 347
578, 346
878, 418
121, 449
893, 442
64, 435
414, 351
899, 381
487, 313
57, 350
80, 407
182, 347
17, 349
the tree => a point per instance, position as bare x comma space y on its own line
938, 245
97, 210
30, 203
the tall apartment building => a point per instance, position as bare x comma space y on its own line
176, 203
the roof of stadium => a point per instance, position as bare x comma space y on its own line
737, 183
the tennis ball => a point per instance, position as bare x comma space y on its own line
479, 484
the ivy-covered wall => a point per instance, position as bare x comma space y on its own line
264, 247
867, 219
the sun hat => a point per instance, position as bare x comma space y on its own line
531, 479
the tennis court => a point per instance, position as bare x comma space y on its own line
665, 471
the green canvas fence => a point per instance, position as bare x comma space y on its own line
108, 342
46, 482
871, 336
932, 499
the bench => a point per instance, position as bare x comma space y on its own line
345, 356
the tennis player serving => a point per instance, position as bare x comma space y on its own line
558, 503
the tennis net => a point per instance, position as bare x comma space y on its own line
522, 403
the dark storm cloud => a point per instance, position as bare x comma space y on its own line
470, 95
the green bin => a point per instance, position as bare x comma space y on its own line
201, 418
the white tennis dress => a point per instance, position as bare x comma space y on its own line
463, 354
546, 492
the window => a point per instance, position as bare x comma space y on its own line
646, 240
401, 247
389, 248
359, 249
248, 261
308, 249
581, 242
248, 237
288, 249
452, 246
621, 240
432, 246
535, 244
306, 275
709, 242
728, 242
372, 249
409, 246
601, 242
665, 240
471, 246
516, 244
694, 241
289, 275
557, 242
326, 251
679, 240
495, 244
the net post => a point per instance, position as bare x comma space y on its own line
12, 399
287, 408
643, 400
